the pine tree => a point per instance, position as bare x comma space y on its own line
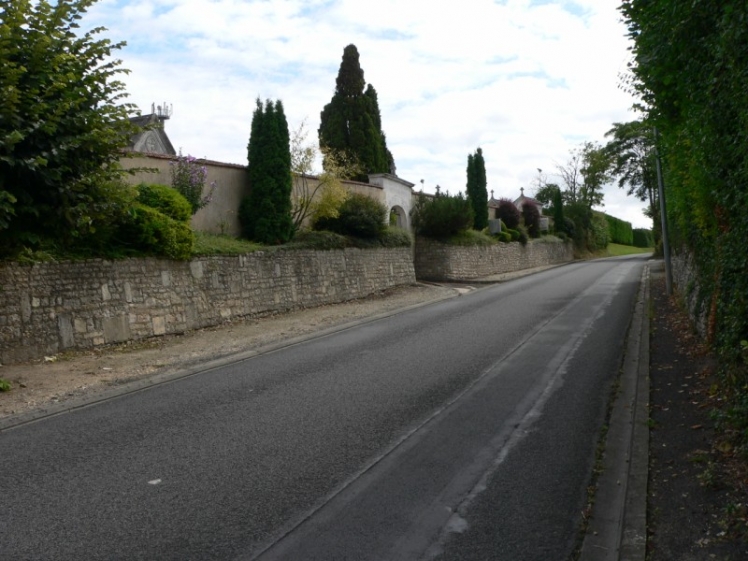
477, 189
351, 123
266, 213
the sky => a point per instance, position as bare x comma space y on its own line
525, 80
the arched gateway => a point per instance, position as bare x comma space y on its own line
398, 196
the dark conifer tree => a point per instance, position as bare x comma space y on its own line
351, 122
266, 213
477, 190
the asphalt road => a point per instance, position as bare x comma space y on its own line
465, 429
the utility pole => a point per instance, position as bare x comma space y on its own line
663, 219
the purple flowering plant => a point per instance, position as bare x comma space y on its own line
188, 177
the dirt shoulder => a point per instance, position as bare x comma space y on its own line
697, 502
77, 377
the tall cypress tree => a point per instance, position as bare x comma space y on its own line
351, 123
266, 213
477, 190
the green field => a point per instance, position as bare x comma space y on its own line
615, 249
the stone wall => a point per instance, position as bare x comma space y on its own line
439, 262
49, 307
686, 284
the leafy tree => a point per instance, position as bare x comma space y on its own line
266, 213
570, 174
595, 173
351, 122
62, 124
531, 218
508, 212
690, 70
631, 149
477, 191
317, 195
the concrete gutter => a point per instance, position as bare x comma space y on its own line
617, 529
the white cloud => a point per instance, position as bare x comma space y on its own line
526, 80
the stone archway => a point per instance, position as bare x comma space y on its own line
398, 217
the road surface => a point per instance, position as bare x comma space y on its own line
461, 430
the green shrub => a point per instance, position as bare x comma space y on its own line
314, 239
505, 236
358, 216
441, 216
166, 200
325, 240
523, 237
513, 234
642, 237
471, 238
598, 235
509, 213
395, 237
4, 385
531, 218
150, 231
619, 230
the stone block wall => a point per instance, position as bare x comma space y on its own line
49, 307
686, 284
439, 262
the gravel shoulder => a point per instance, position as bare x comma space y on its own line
75, 378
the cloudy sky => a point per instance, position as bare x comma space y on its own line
525, 80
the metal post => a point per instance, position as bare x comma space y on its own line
663, 219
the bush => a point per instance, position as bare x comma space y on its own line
441, 216
523, 237
513, 234
313, 239
531, 217
358, 216
188, 179
642, 237
505, 236
395, 237
471, 238
598, 236
619, 230
166, 200
150, 231
509, 213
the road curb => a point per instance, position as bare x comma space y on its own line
617, 529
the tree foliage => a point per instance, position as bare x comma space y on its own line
351, 123
359, 216
441, 216
509, 213
690, 70
266, 213
595, 173
317, 195
477, 190
62, 124
531, 219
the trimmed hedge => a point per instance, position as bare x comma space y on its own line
620, 231
643, 237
